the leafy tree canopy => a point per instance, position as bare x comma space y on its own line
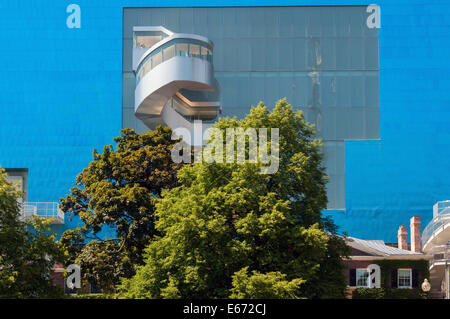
272, 285
230, 231
27, 250
119, 189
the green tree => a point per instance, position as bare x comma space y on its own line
227, 219
27, 250
272, 285
118, 190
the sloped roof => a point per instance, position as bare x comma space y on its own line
377, 247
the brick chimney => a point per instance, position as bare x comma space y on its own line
402, 237
415, 234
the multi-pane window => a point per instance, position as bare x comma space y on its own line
169, 52
176, 47
361, 277
182, 49
209, 57
194, 51
156, 59
204, 53
404, 278
146, 39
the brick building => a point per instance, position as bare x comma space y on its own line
401, 267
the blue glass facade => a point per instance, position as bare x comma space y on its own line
61, 96
323, 59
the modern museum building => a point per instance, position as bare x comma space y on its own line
74, 74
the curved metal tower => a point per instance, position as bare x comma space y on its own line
175, 82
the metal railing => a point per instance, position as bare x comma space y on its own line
43, 209
441, 207
441, 221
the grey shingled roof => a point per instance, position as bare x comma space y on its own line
379, 246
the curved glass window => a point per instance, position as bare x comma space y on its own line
176, 47
169, 52
156, 59
146, 39
194, 51
182, 49
204, 53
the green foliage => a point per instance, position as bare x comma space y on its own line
386, 266
272, 285
226, 217
388, 293
119, 190
94, 296
422, 267
27, 251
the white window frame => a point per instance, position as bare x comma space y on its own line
365, 270
410, 278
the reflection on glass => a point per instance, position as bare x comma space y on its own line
169, 52
204, 53
182, 49
361, 277
165, 53
156, 59
194, 50
146, 39
145, 68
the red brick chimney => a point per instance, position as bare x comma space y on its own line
415, 234
402, 237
